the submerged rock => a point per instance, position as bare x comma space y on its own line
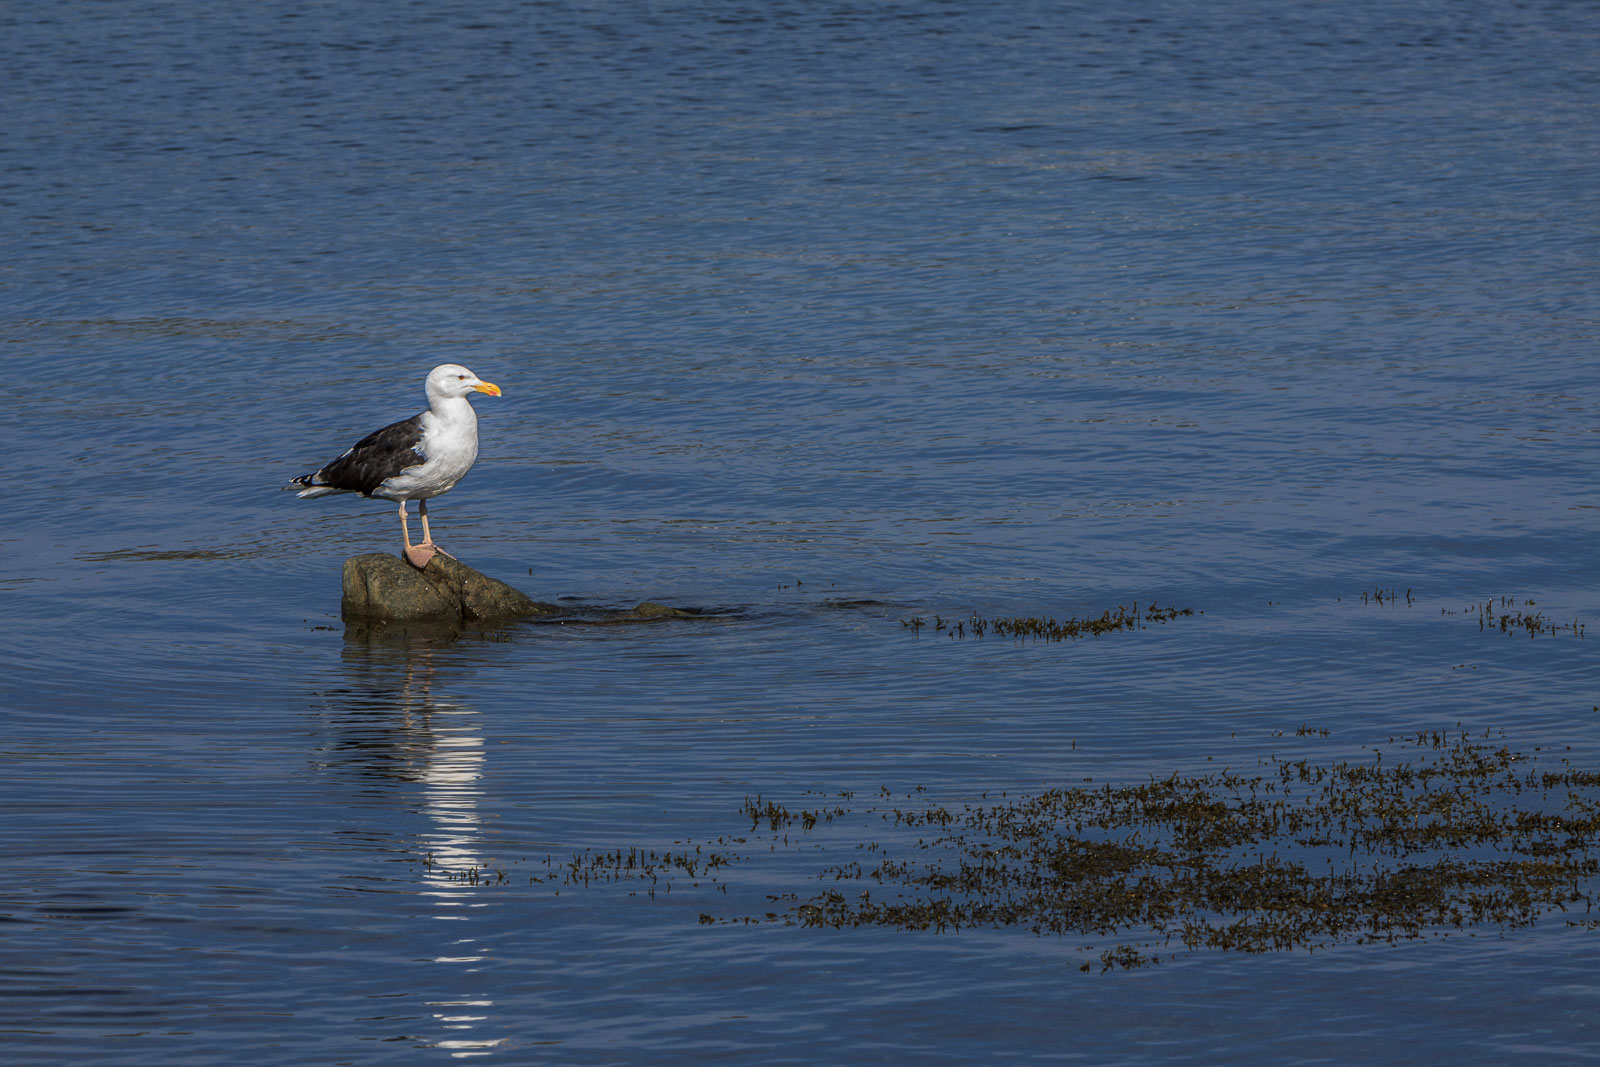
649, 609
379, 587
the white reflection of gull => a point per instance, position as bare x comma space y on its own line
451, 790
451, 778
450, 798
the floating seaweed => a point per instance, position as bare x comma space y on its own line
1301, 854
1381, 596
1508, 615
1041, 628
1505, 614
1430, 835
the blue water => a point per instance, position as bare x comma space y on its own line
818, 318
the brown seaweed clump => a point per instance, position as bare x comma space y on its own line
1505, 614
1435, 834
1300, 855
1049, 628
1509, 617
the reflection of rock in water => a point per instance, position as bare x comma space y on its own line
395, 720
381, 721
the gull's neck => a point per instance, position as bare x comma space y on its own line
455, 410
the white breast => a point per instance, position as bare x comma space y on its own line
450, 446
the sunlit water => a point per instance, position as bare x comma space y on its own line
819, 320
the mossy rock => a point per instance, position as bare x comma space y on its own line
650, 610
379, 587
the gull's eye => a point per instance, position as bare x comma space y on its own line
461, 377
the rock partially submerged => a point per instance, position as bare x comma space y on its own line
379, 587
647, 611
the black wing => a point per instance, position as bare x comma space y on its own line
374, 459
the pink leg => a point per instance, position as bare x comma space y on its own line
418, 555
427, 544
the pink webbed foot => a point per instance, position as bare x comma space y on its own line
420, 555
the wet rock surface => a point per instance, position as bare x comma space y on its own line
381, 590
379, 587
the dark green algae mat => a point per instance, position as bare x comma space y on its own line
1441, 833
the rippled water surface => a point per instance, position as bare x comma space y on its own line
820, 319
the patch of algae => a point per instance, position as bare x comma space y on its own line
1049, 628
1435, 834
1300, 855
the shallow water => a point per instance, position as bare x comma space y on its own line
818, 320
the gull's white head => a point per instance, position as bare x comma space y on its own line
452, 380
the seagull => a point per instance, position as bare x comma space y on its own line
413, 459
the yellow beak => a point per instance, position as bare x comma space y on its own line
488, 387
